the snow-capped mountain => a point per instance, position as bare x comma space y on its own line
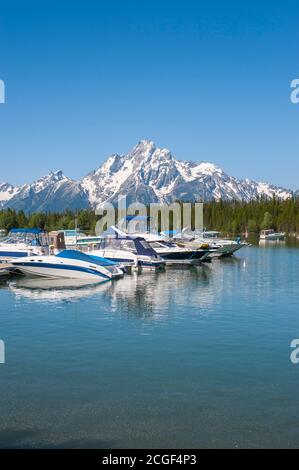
149, 174
53, 192
146, 174
7, 191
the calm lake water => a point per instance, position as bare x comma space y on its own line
186, 358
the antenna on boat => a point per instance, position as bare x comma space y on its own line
76, 228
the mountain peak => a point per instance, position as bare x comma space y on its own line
144, 145
142, 151
146, 174
51, 178
57, 175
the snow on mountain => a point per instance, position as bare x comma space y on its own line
7, 191
149, 174
53, 192
146, 174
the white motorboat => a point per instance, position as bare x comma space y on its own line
22, 242
220, 247
271, 235
226, 246
173, 253
170, 251
120, 247
69, 264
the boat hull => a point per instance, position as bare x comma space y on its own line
229, 250
4, 272
182, 257
51, 271
127, 258
273, 237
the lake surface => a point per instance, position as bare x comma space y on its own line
186, 358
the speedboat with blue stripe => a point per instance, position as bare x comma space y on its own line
71, 264
23, 242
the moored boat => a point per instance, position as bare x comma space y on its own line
22, 242
174, 254
219, 247
69, 264
120, 247
271, 235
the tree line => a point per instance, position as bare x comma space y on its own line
230, 217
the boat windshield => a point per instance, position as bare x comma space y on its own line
211, 234
169, 244
135, 245
162, 244
143, 248
27, 238
117, 244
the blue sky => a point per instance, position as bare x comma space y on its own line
208, 80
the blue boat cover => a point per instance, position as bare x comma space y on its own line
74, 254
35, 231
143, 218
172, 232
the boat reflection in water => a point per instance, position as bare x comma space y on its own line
154, 298
55, 290
151, 297
265, 243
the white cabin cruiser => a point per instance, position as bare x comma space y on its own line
120, 247
271, 235
69, 264
22, 242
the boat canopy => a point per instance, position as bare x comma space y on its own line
34, 231
78, 255
116, 239
28, 236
